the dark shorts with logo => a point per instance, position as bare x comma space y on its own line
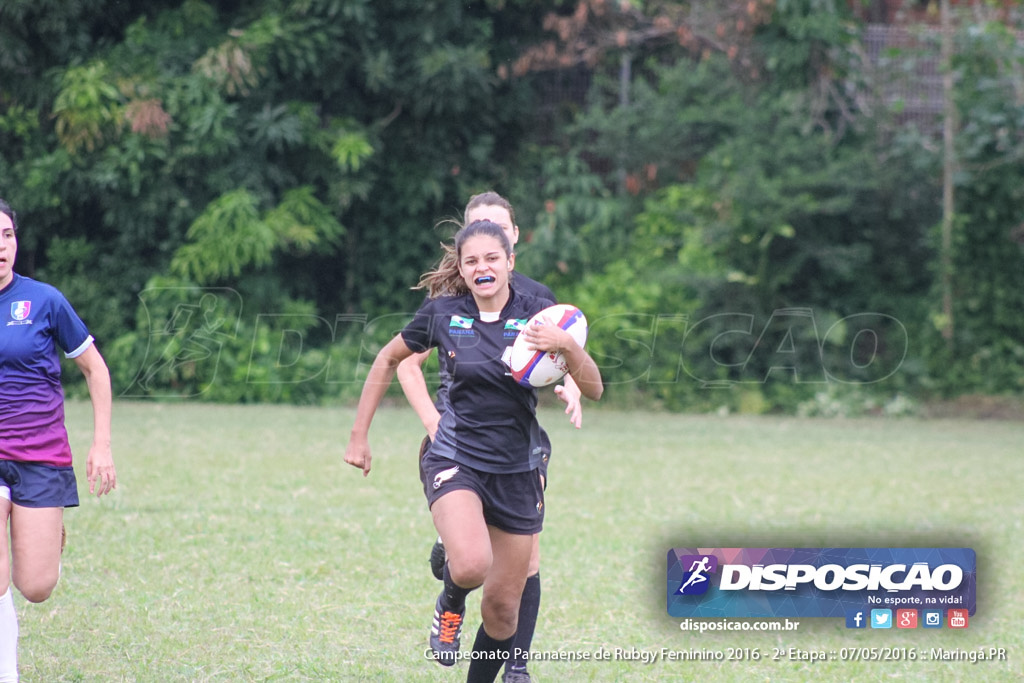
513, 503
34, 485
543, 468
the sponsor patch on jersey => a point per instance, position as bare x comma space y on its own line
460, 326
513, 326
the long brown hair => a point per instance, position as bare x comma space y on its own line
445, 279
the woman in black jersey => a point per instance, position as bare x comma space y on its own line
480, 474
493, 207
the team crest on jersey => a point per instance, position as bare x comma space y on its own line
460, 326
20, 311
513, 326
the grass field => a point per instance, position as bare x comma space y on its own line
239, 546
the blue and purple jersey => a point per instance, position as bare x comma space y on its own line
35, 321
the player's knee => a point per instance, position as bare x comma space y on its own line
501, 614
469, 571
37, 588
36, 593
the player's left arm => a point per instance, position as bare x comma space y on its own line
582, 367
99, 467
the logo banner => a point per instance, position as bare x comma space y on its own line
818, 582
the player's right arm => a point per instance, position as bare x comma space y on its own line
414, 385
357, 453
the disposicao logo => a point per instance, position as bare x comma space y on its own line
696, 579
818, 582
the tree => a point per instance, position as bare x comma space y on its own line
765, 188
987, 252
129, 142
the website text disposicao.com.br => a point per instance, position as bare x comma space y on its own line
704, 625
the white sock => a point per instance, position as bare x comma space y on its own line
8, 639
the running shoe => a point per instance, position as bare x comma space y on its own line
445, 632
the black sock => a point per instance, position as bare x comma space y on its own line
529, 606
489, 655
453, 597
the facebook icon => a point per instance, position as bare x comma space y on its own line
855, 618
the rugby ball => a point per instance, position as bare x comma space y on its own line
539, 368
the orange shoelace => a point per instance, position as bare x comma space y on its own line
450, 623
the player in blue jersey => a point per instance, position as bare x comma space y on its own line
495, 208
481, 476
37, 480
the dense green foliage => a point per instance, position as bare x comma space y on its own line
237, 197
988, 271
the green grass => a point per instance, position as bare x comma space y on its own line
239, 546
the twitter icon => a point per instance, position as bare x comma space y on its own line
881, 618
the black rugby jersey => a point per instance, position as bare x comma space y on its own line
523, 285
487, 419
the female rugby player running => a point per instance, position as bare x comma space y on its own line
37, 479
480, 476
490, 206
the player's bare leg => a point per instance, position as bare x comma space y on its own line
459, 519
36, 546
500, 603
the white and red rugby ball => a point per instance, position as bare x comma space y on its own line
539, 368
